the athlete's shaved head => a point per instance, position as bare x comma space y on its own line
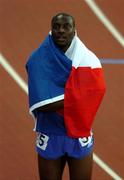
59, 15
63, 30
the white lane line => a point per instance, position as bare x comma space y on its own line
106, 168
112, 61
13, 73
10, 70
103, 18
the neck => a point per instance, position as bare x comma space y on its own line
64, 48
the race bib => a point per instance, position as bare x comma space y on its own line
42, 141
86, 141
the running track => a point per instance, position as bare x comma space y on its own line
24, 24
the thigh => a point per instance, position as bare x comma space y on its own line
80, 169
51, 169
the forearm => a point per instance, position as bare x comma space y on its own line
52, 107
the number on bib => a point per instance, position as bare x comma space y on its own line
42, 140
85, 141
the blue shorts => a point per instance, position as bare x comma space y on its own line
51, 146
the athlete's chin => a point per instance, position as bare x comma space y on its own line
61, 42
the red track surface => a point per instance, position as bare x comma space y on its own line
24, 24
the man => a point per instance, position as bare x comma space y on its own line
66, 86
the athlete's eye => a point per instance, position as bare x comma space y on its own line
56, 26
67, 26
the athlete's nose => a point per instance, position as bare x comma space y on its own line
61, 29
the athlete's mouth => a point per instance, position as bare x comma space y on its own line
61, 39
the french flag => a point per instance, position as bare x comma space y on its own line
84, 90
75, 76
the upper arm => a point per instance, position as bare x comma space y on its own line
52, 106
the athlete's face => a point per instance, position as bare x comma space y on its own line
63, 31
